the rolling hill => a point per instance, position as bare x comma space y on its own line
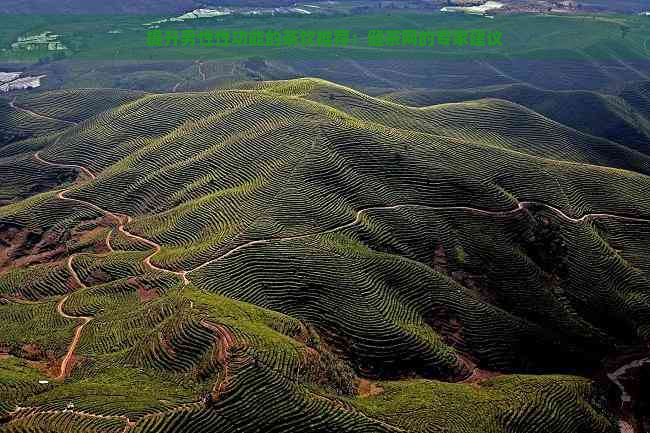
298, 256
623, 117
98, 7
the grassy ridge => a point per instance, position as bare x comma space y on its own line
412, 404
77, 105
609, 116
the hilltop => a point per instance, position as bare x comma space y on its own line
622, 117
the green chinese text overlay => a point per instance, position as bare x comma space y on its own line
439, 36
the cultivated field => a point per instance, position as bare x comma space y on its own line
298, 256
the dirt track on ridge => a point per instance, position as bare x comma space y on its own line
183, 275
13, 105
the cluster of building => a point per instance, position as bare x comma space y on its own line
221, 11
473, 7
46, 40
10, 81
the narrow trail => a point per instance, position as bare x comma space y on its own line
84, 170
65, 363
33, 411
177, 85
75, 340
13, 105
203, 76
108, 243
183, 275
226, 339
520, 207
157, 248
626, 398
121, 220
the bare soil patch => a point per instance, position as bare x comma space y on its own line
144, 293
366, 388
21, 246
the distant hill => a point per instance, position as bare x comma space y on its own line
124, 6
620, 6
174, 6
624, 117
97, 7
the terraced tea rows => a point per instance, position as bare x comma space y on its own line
20, 124
480, 122
309, 254
76, 105
615, 117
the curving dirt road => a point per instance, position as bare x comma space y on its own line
177, 85
120, 219
33, 411
13, 105
157, 248
183, 275
108, 243
520, 206
125, 219
75, 340
65, 363
84, 170
616, 375
626, 398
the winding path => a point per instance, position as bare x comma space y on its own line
520, 206
177, 85
157, 248
68, 358
84, 170
618, 373
183, 275
77, 333
626, 398
13, 105
122, 220
65, 364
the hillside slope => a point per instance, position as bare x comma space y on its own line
621, 118
330, 261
